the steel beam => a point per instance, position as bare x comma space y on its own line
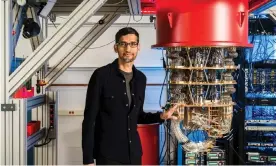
75, 52
35, 102
51, 45
64, 9
6, 47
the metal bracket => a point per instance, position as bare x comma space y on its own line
170, 18
7, 107
241, 18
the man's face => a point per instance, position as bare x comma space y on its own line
127, 48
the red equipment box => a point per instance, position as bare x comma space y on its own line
24, 93
33, 127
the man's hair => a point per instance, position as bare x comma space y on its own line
126, 31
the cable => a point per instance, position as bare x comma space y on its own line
166, 75
160, 97
139, 19
172, 160
262, 26
167, 134
116, 3
237, 153
168, 128
45, 142
163, 145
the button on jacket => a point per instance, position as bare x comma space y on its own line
109, 128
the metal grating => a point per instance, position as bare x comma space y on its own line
65, 7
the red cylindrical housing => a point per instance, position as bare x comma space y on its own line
202, 23
149, 134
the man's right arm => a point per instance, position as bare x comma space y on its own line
91, 110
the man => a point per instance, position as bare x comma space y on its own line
114, 106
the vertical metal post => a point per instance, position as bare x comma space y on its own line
5, 49
38, 113
45, 28
45, 117
2, 79
20, 132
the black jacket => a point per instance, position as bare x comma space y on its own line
109, 128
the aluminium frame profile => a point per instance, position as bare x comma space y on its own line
5, 55
35, 101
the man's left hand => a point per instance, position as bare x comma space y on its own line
169, 113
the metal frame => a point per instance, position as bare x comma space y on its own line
38, 101
32, 140
6, 49
35, 101
14, 143
47, 49
15, 150
72, 55
6, 52
65, 9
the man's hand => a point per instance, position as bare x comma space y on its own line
169, 113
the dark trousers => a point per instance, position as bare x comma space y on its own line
104, 161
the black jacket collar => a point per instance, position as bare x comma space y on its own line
115, 65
